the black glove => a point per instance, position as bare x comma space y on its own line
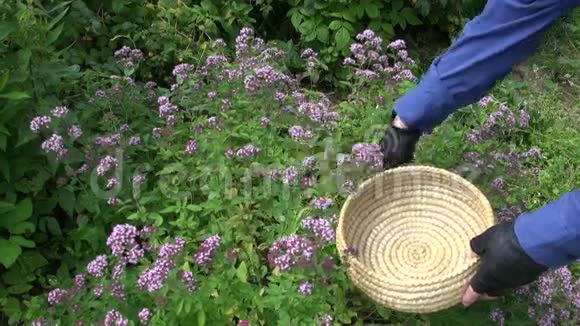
504, 264
398, 146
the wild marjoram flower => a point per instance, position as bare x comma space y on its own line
320, 227
290, 251
97, 266
39, 123
207, 250
370, 62
322, 203
153, 278
55, 144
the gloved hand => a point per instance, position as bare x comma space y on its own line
398, 144
504, 264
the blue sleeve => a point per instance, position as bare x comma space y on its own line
506, 33
551, 234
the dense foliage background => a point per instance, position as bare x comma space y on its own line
159, 158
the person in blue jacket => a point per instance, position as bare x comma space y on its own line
506, 33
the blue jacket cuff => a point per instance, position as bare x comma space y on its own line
427, 105
551, 234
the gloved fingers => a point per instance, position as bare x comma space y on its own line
471, 296
389, 142
480, 243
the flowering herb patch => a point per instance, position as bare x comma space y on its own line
220, 192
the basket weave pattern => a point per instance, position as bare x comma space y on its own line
404, 237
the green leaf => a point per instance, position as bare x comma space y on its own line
5, 76
335, 24
57, 19
52, 225
194, 208
296, 19
342, 38
15, 96
21, 241
9, 252
322, 33
21, 212
242, 272
11, 306
3, 143
54, 34
410, 16
306, 27
66, 200
32, 260
373, 10
118, 6
201, 318
5, 30
21, 228
19, 288
397, 5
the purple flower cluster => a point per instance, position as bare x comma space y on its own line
123, 243
368, 154
290, 251
309, 162
75, 132
167, 110
371, 63
112, 201
246, 151
189, 280
484, 101
207, 250
111, 140
191, 146
115, 318
555, 297
326, 320
243, 41
134, 141
308, 182
298, 133
80, 280
108, 162
265, 121
55, 144
144, 315
310, 56
128, 57
216, 60
289, 175
60, 111
40, 122
320, 227
218, 43
497, 316
153, 278
97, 266
319, 111
57, 296
322, 203
183, 72
502, 122
139, 179
98, 291
112, 182
305, 288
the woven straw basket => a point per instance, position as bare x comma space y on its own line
404, 237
